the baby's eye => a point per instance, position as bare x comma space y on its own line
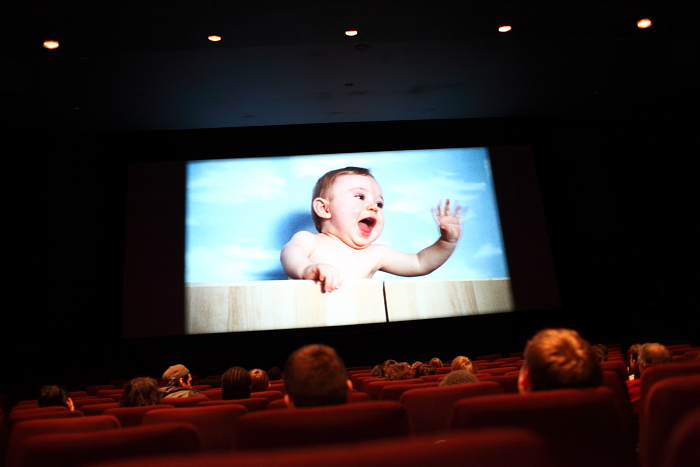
380, 205
360, 197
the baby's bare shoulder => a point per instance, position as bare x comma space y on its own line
303, 239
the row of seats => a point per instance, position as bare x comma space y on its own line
564, 418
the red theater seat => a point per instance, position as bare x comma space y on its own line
269, 395
584, 426
98, 409
215, 424
132, 416
375, 387
275, 429
27, 429
80, 403
665, 405
184, 401
509, 383
468, 449
78, 449
429, 408
683, 445
490, 357
393, 393
660, 371
252, 404
92, 390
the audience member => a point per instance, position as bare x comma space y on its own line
50, 396
601, 352
315, 376
274, 374
632, 354
425, 370
139, 392
259, 380
648, 354
413, 368
398, 372
459, 377
378, 370
558, 359
235, 384
178, 383
436, 362
464, 363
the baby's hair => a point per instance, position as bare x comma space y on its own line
326, 182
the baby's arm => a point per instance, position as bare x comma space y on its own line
296, 263
431, 258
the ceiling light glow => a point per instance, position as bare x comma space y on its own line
50, 44
504, 28
644, 23
351, 33
214, 38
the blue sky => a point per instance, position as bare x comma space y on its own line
241, 212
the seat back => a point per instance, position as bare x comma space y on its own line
97, 409
132, 416
393, 393
215, 424
76, 449
252, 404
184, 401
269, 395
275, 429
375, 387
584, 426
509, 383
488, 448
80, 403
27, 429
659, 371
665, 404
429, 408
23, 415
683, 444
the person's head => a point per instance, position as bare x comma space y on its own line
274, 374
425, 370
436, 362
378, 370
632, 355
601, 352
459, 377
315, 376
347, 203
558, 359
386, 365
50, 396
235, 383
464, 363
259, 380
401, 370
139, 392
177, 375
651, 353
415, 365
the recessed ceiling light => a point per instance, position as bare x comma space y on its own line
504, 28
50, 44
214, 38
644, 23
351, 33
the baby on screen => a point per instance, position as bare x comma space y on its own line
347, 209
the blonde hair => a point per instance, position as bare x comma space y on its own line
464, 363
325, 183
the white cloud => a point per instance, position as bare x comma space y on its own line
486, 250
227, 185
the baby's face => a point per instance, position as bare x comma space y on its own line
356, 204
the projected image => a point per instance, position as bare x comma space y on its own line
242, 212
385, 247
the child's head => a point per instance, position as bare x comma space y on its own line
348, 204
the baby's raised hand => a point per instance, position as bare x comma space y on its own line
329, 277
450, 230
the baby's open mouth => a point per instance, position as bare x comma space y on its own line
366, 225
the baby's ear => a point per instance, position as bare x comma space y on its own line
322, 208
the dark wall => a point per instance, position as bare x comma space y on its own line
619, 195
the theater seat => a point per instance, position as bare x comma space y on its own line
429, 408
584, 426
276, 429
27, 429
683, 445
78, 449
665, 404
215, 424
487, 448
253, 404
132, 416
184, 401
